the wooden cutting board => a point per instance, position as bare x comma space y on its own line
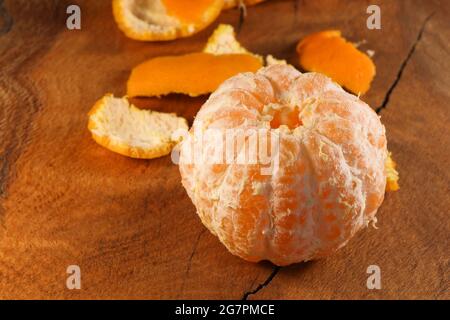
130, 226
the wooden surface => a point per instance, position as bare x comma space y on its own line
129, 224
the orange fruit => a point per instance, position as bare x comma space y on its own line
155, 20
329, 53
127, 130
193, 74
329, 181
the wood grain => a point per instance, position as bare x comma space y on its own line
129, 224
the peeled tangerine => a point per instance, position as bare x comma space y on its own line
330, 179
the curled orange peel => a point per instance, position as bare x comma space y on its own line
193, 74
198, 73
329, 53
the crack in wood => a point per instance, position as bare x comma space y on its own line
403, 65
242, 14
296, 10
263, 284
6, 21
194, 250
297, 4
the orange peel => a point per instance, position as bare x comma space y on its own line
119, 126
223, 41
271, 60
193, 74
329, 53
392, 175
159, 20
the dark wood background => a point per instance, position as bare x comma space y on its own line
129, 224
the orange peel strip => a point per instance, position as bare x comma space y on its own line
329, 53
158, 20
121, 127
193, 74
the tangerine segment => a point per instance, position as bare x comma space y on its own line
329, 53
193, 74
127, 130
155, 20
325, 184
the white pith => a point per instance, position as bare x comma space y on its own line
148, 16
124, 124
